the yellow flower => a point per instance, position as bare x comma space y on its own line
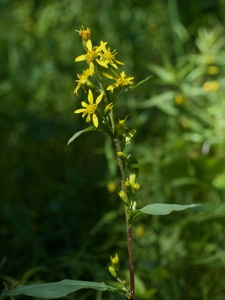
121, 80
89, 109
139, 231
131, 183
108, 57
210, 86
213, 70
92, 55
115, 261
85, 34
83, 79
179, 99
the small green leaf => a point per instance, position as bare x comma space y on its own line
164, 209
79, 133
140, 82
132, 164
56, 290
133, 215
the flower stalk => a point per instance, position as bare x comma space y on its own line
99, 111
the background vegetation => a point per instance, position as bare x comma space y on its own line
59, 215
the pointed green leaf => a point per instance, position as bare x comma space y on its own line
132, 164
164, 209
140, 82
79, 133
56, 290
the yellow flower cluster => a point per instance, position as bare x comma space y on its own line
98, 58
114, 268
131, 183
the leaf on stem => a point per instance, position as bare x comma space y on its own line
164, 209
140, 82
56, 290
159, 209
79, 133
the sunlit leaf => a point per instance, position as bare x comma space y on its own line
164, 209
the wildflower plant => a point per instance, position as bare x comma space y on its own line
98, 110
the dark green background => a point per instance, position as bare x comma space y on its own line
57, 218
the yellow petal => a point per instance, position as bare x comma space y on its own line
88, 119
90, 96
80, 110
108, 76
89, 45
119, 62
76, 89
91, 68
102, 63
95, 120
84, 104
98, 100
81, 57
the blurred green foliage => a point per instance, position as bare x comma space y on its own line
58, 219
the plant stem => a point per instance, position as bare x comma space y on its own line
128, 225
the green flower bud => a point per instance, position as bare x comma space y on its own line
122, 155
123, 197
112, 271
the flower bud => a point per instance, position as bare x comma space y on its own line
122, 155
123, 197
112, 271
115, 261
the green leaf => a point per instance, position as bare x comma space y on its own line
133, 215
56, 290
132, 164
140, 82
79, 133
164, 209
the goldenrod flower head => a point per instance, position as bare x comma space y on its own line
211, 86
179, 99
139, 230
120, 126
91, 56
108, 57
115, 261
89, 109
111, 186
121, 80
83, 79
213, 70
131, 183
127, 183
136, 186
84, 33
